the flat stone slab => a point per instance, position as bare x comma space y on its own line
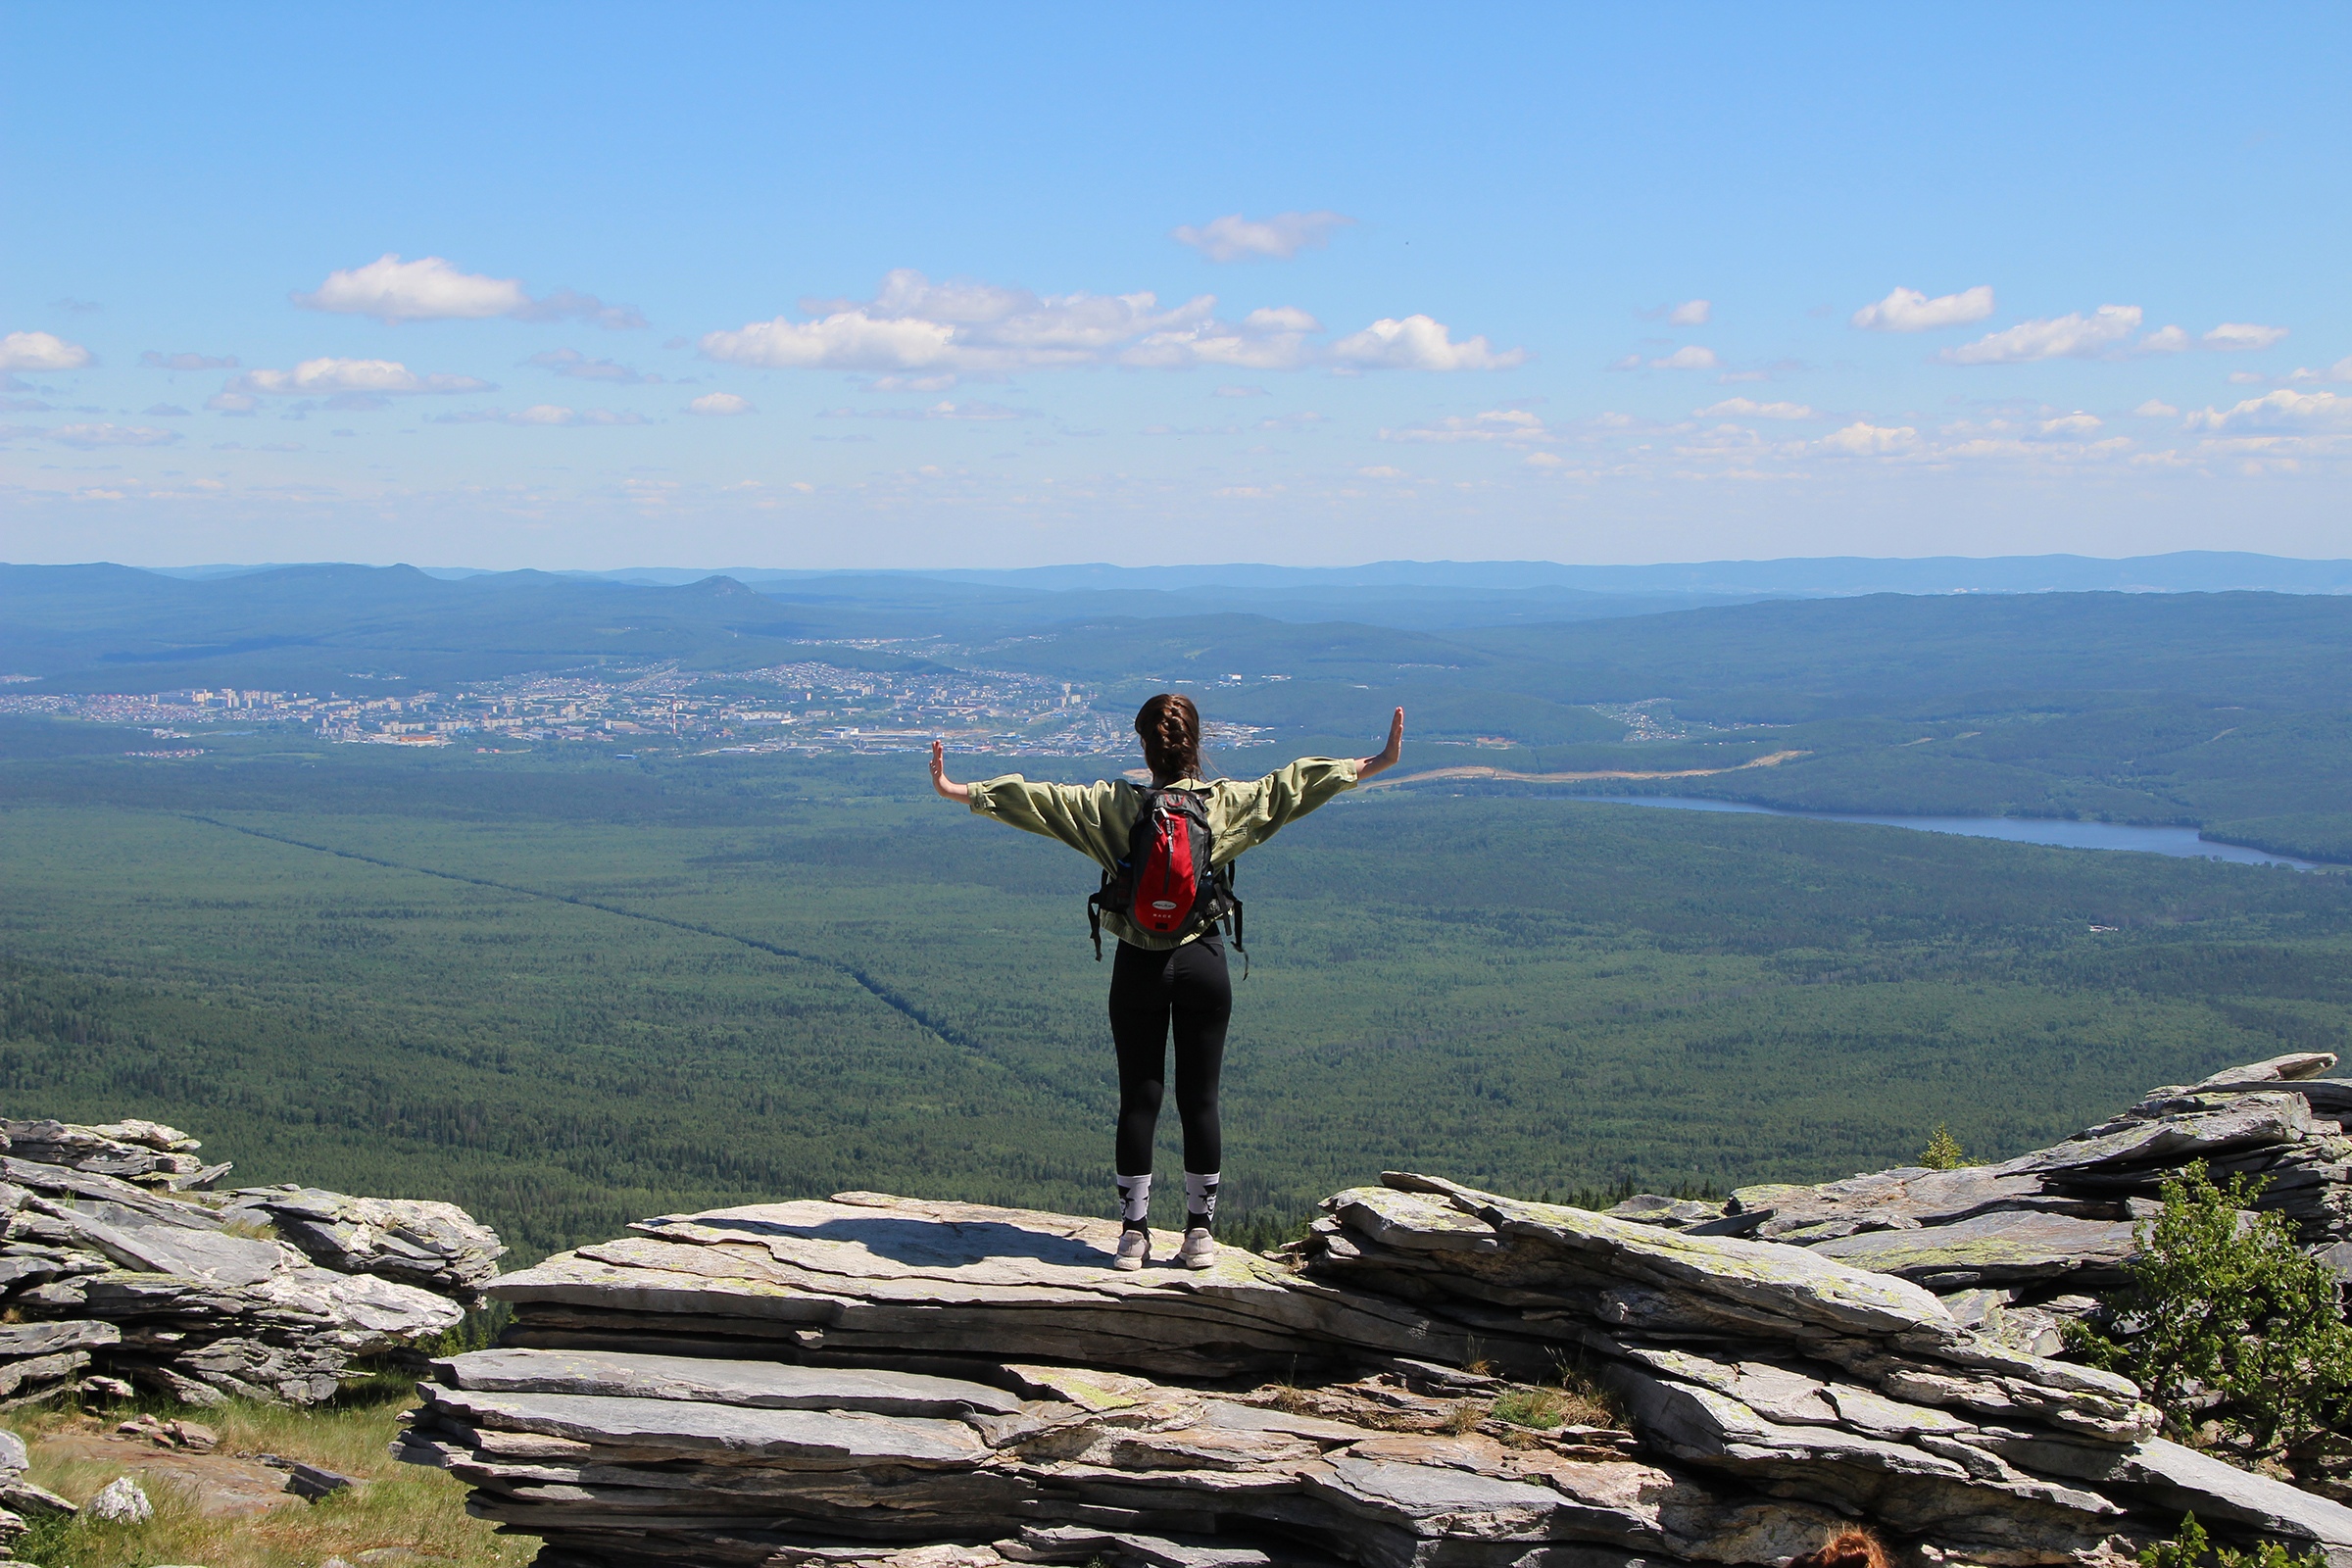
1891, 1198
48, 1339
2177, 1477
808, 1436
2006, 1248
752, 1385
871, 1272
137, 1241
1423, 1493
1786, 1282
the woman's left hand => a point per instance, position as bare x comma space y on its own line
947, 786
1366, 766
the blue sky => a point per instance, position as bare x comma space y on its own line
767, 285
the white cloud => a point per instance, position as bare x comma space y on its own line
2280, 410
2164, 340
40, 351
580, 367
430, 289
1382, 471
963, 328
719, 403
542, 413
1272, 340
2155, 410
1235, 239
232, 403
1749, 408
2070, 336
2071, 424
1907, 310
1690, 312
2235, 335
2340, 370
914, 325
1630, 362
1689, 356
845, 340
1418, 343
154, 361
427, 289
1495, 424
324, 377
89, 437
1241, 392
1862, 439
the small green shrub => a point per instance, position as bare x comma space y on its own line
2193, 1548
1944, 1151
2227, 1321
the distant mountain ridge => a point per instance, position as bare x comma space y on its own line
2178, 572
1806, 576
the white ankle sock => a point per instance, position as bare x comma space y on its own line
1134, 1199
1201, 1196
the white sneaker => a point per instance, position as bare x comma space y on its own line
1135, 1250
1199, 1249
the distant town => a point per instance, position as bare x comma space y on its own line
808, 707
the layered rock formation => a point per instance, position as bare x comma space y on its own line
2016, 1247
946, 1385
114, 1265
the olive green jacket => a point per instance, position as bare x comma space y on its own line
1096, 819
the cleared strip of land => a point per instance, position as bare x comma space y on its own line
1773, 759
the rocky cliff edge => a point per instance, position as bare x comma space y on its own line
869, 1379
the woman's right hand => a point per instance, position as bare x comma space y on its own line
938, 774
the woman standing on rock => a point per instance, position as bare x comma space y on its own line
1167, 851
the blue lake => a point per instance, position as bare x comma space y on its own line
2066, 835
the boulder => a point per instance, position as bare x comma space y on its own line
436, 1245
116, 1269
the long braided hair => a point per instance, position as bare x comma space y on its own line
1170, 727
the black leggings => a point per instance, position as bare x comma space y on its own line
1187, 988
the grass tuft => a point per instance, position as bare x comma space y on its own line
1574, 1399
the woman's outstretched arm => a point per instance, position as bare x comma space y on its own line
1089, 818
1248, 814
963, 792
1385, 758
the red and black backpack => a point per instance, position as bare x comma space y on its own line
1166, 884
